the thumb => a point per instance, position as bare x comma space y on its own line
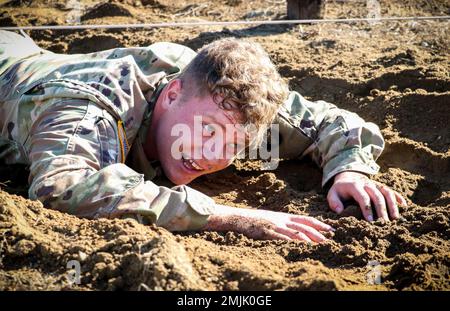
334, 201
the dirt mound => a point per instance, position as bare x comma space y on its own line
20, 3
394, 74
6, 20
408, 116
94, 43
111, 253
105, 9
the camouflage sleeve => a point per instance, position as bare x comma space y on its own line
75, 167
336, 139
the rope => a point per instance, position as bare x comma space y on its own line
198, 24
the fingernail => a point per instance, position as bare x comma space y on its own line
339, 209
370, 218
332, 229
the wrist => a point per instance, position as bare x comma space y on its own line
347, 174
227, 218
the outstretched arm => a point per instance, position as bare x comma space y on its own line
263, 224
344, 146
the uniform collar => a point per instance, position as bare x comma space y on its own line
137, 158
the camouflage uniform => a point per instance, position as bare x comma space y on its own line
76, 118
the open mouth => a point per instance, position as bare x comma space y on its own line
191, 164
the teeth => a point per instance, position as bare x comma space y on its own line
193, 164
196, 165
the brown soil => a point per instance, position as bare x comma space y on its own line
394, 74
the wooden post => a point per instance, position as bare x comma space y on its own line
304, 9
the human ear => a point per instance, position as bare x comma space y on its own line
173, 90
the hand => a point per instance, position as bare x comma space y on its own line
357, 186
267, 225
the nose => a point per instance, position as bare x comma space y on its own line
217, 152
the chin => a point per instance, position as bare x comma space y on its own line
183, 180
177, 178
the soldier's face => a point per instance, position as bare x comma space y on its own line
194, 136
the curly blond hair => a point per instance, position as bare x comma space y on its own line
241, 74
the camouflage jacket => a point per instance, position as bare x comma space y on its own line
75, 119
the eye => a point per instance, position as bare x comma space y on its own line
208, 129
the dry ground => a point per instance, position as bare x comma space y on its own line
395, 74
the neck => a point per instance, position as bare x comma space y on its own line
150, 146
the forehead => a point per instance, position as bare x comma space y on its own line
214, 107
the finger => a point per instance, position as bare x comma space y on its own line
363, 199
312, 222
312, 233
400, 199
391, 201
378, 200
272, 235
295, 235
334, 201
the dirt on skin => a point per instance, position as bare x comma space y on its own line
395, 74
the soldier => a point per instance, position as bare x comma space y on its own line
76, 119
